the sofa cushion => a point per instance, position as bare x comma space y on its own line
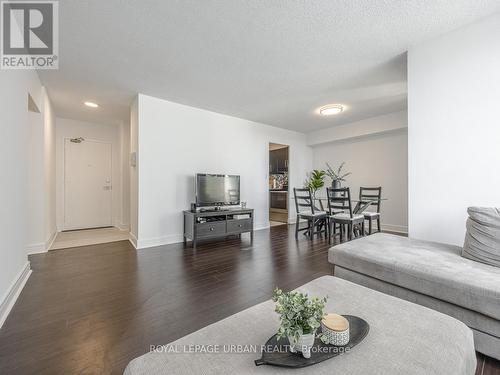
430, 268
482, 241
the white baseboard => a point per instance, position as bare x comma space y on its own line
36, 248
50, 241
132, 239
395, 228
13, 293
159, 241
124, 227
41, 247
174, 238
262, 226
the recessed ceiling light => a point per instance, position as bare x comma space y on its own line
331, 109
91, 104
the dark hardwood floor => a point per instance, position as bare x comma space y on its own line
90, 310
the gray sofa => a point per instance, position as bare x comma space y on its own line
430, 274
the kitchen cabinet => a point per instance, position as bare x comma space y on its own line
278, 161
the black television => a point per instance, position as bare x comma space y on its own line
217, 190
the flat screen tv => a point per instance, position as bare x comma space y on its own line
217, 189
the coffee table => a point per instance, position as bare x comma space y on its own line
404, 338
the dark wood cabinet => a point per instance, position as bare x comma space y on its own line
212, 224
278, 161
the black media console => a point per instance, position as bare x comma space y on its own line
211, 224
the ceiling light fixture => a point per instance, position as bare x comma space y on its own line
91, 104
331, 109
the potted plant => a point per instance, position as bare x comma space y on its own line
300, 317
336, 175
315, 181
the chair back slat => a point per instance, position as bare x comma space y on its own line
339, 199
303, 198
371, 193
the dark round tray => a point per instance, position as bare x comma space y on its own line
276, 351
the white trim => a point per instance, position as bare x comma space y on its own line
13, 293
171, 239
262, 226
159, 241
132, 239
41, 247
124, 227
178, 238
50, 241
36, 248
394, 228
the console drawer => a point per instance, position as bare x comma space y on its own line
240, 225
211, 228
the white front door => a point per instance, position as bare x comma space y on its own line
87, 184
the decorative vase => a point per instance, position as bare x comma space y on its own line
336, 184
303, 344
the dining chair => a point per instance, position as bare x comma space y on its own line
373, 194
304, 205
340, 199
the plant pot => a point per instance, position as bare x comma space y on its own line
303, 344
336, 184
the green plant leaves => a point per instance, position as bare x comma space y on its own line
298, 313
315, 180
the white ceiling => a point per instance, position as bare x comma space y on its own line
272, 61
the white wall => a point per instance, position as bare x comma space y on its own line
176, 141
374, 160
373, 125
125, 178
66, 128
454, 129
134, 172
49, 177
41, 176
36, 189
14, 151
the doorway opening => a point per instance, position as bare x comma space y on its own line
88, 196
278, 184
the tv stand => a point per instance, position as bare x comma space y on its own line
214, 209
202, 225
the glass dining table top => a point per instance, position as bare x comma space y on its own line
361, 204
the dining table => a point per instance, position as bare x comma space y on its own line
360, 207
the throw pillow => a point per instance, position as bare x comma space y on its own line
482, 240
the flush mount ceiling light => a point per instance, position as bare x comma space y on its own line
91, 104
331, 109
